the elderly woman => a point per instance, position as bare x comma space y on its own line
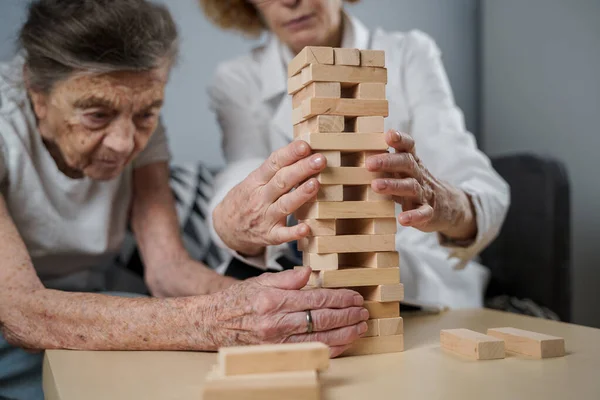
452, 201
82, 155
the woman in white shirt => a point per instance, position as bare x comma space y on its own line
452, 202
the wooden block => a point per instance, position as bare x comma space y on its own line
354, 277
345, 74
298, 385
376, 345
382, 293
345, 141
471, 344
364, 193
320, 124
334, 157
365, 91
350, 244
344, 107
382, 310
310, 55
531, 344
375, 226
388, 259
390, 326
320, 262
346, 56
318, 90
321, 227
372, 58
346, 210
330, 193
347, 176
358, 159
269, 358
370, 124
372, 328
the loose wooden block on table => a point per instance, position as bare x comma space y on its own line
348, 176
341, 107
372, 58
354, 277
387, 259
346, 210
345, 141
346, 75
343, 56
364, 193
529, 343
381, 293
317, 90
299, 385
382, 310
376, 345
350, 243
368, 124
259, 359
472, 344
320, 124
310, 55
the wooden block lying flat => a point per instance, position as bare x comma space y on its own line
532, 344
471, 344
354, 277
321, 227
382, 293
344, 107
372, 328
350, 244
382, 310
372, 58
320, 262
388, 259
333, 157
366, 91
376, 226
318, 90
345, 141
265, 359
343, 56
310, 55
363, 193
330, 193
346, 209
320, 124
372, 124
376, 345
346, 75
300, 385
347, 176
390, 326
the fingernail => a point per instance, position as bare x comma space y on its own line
395, 136
310, 185
364, 314
403, 219
358, 300
362, 327
381, 184
374, 163
302, 148
317, 162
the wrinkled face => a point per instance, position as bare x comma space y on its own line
300, 23
99, 123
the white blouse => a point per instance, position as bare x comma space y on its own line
249, 97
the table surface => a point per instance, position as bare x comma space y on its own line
422, 371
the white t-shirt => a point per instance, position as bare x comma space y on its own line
73, 228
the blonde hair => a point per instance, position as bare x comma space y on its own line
238, 15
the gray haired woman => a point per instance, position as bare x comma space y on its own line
83, 155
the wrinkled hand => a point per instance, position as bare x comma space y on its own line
271, 309
427, 204
253, 214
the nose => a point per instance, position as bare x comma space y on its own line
121, 139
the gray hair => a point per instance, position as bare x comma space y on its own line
61, 37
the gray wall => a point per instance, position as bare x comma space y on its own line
541, 92
194, 133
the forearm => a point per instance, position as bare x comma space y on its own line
49, 319
463, 219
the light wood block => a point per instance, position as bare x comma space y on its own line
347, 176
334, 157
330, 193
345, 74
390, 326
310, 55
350, 244
354, 277
364, 193
321, 227
376, 226
342, 56
345, 141
529, 343
372, 328
376, 345
299, 385
382, 293
318, 90
471, 344
320, 124
269, 358
382, 310
358, 159
320, 262
368, 124
344, 107
365, 91
346, 210
388, 259
372, 58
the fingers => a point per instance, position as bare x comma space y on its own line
285, 234
408, 187
420, 216
281, 158
292, 279
326, 319
403, 163
292, 175
336, 337
290, 202
402, 142
315, 299
335, 351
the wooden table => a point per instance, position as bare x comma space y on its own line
423, 371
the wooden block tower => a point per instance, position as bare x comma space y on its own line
339, 109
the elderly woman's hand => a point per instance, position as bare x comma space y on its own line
428, 204
253, 214
271, 309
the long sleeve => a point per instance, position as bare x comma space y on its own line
445, 146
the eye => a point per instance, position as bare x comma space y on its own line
97, 119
